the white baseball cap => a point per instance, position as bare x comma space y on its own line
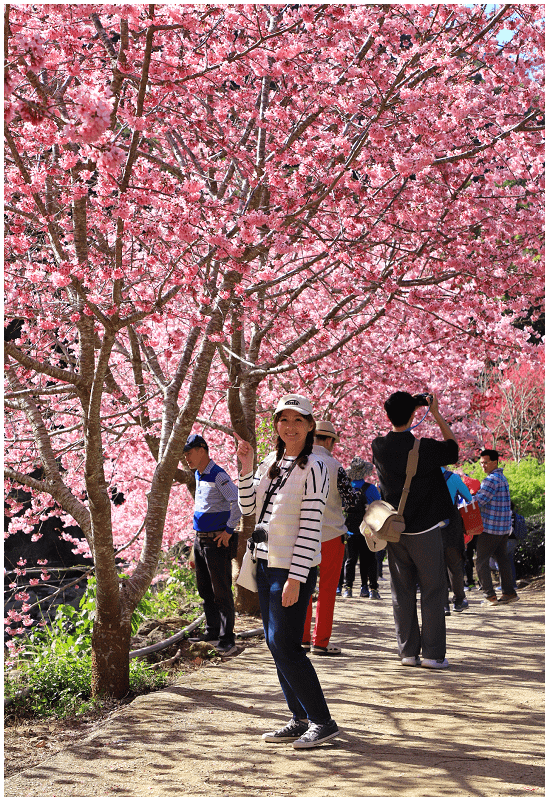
296, 402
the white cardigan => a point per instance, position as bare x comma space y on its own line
333, 524
294, 538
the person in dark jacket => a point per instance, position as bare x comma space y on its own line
417, 559
356, 546
214, 521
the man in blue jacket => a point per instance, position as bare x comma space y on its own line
494, 501
215, 518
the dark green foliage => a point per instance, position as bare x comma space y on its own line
526, 483
59, 684
53, 676
169, 596
530, 554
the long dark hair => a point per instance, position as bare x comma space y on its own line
302, 458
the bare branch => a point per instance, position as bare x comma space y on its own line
39, 366
103, 36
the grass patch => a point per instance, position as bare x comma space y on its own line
60, 686
53, 673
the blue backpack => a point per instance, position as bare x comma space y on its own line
520, 529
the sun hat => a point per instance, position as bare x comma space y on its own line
195, 440
359, 469
325, 428
296, 402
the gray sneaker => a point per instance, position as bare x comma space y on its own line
347, 591
204, 637
293, 730
316, 734
226, 649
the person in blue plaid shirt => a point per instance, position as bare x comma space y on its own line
494, 502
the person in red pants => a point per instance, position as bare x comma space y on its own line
333, 538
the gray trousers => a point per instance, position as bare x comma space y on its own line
419, 560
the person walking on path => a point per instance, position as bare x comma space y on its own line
289, 491
418, 556
494, 501
333, 534
356, 546
453, 543
215, 517
473, 485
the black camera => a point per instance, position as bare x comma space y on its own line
423, 399
260, 534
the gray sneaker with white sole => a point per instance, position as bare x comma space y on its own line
316, 734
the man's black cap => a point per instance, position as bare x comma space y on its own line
195, 440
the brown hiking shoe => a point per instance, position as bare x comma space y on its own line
508, 598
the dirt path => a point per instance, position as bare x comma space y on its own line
477, 729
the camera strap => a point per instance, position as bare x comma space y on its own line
274, 487
421, 421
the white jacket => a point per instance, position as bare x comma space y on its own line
333, 520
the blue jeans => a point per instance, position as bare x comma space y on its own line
284, 633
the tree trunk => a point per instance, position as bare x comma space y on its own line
110, 656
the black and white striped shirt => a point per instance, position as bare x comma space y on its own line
313, 503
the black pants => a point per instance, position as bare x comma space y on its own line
453, 546
470, 552
357, 546
492, 545
214, 576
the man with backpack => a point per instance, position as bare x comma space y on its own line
356, 545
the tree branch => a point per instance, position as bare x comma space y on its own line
39, 366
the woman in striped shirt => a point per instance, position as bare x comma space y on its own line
288, 494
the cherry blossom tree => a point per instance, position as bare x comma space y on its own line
512, 407
210, 205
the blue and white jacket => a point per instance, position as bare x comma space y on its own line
216, 500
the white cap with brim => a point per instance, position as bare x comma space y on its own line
326, 428
296, 402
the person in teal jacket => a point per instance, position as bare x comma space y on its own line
453, 542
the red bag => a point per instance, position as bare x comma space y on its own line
471, 519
